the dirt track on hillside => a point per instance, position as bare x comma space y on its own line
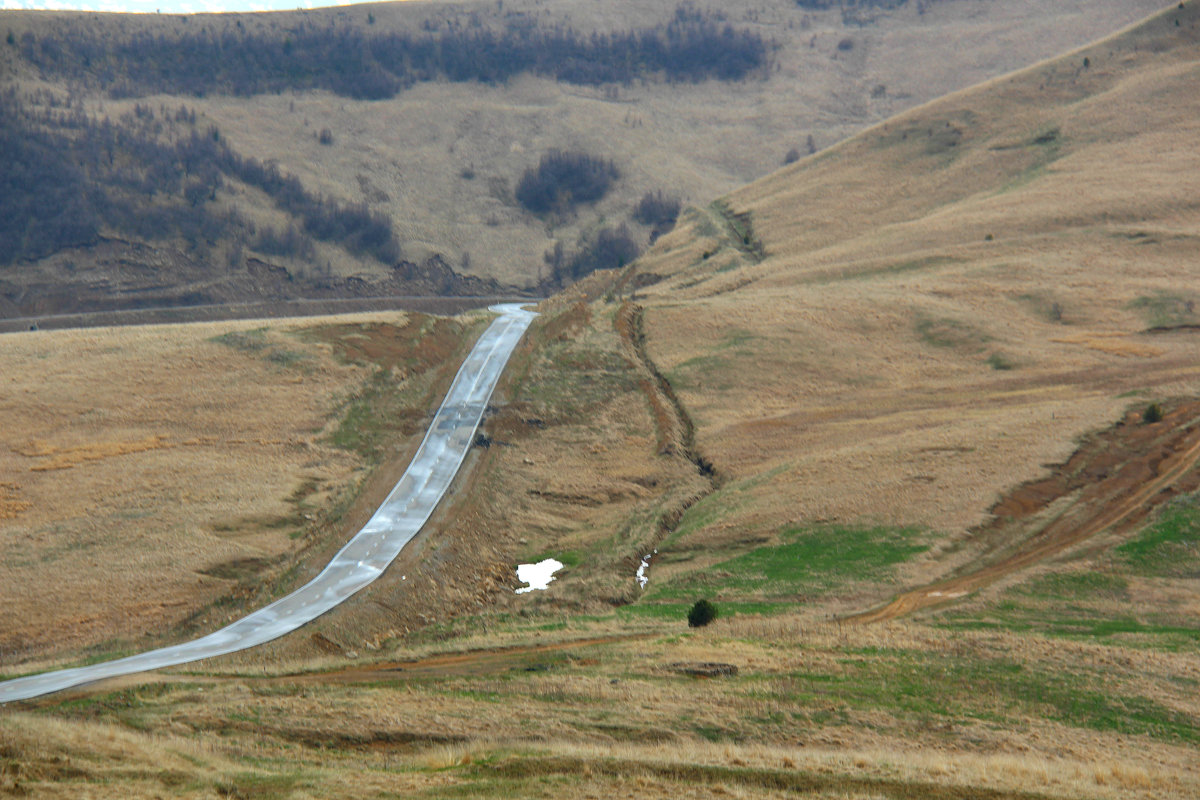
1111, 483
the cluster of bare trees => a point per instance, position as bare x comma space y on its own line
65, 176
363, 64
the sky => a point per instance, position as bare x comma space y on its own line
169, 6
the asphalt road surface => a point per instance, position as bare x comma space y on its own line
368, 553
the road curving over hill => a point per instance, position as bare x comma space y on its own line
368, 553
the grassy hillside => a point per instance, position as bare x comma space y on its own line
407, 134
918, 413
950, 299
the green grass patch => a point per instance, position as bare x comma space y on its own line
256, 342
1076, 586
258, 786
568, 558
1167, 309
571, 380
715, 506
949, 333
736, 338
1000, 362
807, 562
1080, 605
286, 358
993, 690
249, 341
710, 371
899, 268
364, 426
1045, 146
1125, 632
1170, 546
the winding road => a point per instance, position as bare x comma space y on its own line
368, 553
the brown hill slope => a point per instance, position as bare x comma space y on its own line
908, 323
441, 160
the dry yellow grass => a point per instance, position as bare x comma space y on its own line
951, 298
602, 718
885, 362
151, 469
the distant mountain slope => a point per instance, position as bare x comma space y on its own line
430, 115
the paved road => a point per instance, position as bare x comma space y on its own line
368, 553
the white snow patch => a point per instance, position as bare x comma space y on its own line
538, 575
641, 573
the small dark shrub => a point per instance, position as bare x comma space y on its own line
325, 136
702, 613
1152, 414
999, 362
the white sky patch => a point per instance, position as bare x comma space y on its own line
641, 573
169, 6
538, 575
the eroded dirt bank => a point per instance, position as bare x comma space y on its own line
1112, 483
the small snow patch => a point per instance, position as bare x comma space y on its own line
538, 575
641, 573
